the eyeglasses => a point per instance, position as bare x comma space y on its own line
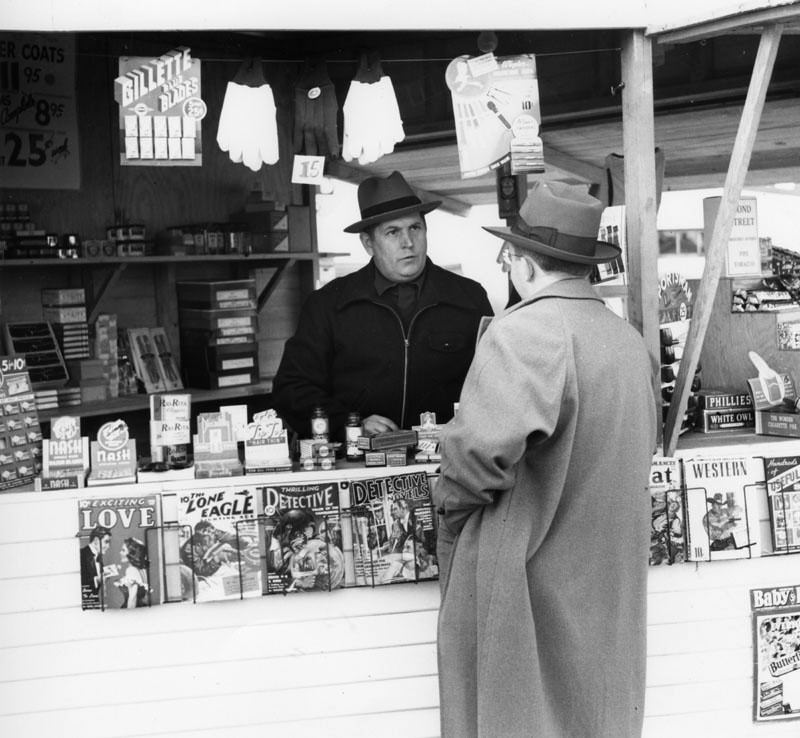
506, 256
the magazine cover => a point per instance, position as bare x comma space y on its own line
218, 544
776, 653
725, 499
394, 534
303, 537
782, 474
120, 551
667, 527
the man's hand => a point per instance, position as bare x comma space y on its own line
378, 424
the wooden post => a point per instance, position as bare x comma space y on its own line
638, 139
716, 250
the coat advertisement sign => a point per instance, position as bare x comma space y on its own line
160, 110
38, 119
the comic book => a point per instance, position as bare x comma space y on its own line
783, 500
725, 504
776, 652
394, 533
303, 537
667, 523
218, 543
120, 551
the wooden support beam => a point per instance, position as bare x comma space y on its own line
583, 170
717, 248
272, 283
638, 126
355, 174
111, 279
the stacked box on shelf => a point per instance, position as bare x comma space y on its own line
105, 349
218, 333
65, 310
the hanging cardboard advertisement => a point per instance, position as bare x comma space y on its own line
160, 110
38, 118
496, 110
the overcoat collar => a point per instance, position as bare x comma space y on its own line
438, 287
571, 288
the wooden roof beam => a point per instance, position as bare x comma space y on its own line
717, 249
355, 174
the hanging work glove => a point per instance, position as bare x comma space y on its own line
248, 129
315, 112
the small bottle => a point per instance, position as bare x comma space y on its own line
319, 425
352, 432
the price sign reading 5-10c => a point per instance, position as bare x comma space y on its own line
38, 121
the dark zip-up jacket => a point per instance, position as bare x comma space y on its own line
351, 353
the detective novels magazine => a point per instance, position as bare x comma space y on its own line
120, 552
393, 528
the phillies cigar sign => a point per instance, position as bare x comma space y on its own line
160, 110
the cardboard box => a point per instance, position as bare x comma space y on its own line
777, 423
216, 294
710, 421
66, 296
723, 401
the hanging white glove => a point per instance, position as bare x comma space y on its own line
248, 129
372, 124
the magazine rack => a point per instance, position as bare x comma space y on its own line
171, 565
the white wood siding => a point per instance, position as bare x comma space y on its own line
353, 662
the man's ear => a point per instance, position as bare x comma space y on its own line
366, 242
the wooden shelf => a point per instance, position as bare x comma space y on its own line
225, 258
131, 403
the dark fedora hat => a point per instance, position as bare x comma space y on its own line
560, 220
384, 198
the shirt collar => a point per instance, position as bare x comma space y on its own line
382, 284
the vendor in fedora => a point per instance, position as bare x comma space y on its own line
543, 536
389, 341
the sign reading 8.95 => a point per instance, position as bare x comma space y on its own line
38, 121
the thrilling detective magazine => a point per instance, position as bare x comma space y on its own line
394, 533
120, 551
219, 544
302, 532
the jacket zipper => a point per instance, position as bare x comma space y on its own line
406, 346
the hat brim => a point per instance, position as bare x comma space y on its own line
603, 251
362, 225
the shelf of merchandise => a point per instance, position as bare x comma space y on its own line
131, 403
116, 265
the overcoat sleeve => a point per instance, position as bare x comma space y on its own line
512, 399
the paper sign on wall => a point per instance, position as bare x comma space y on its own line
38, 118
160, 110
